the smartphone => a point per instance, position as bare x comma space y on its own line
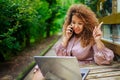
71, 30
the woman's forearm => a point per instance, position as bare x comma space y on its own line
64, 42
99, 44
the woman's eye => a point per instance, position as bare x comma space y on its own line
80, 23
73, 22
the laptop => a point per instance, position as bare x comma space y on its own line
60, 68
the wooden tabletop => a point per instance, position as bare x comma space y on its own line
108, 72
103, 72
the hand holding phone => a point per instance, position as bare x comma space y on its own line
68, 34
69, 31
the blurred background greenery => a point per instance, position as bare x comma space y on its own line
24, 22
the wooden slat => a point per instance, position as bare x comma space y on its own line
113, 46
111, 19
114, 65
103, 75
103, 70
107, 78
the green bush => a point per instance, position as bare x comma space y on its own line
23, 22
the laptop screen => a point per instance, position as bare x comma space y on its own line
59, 67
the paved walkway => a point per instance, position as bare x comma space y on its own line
51, 52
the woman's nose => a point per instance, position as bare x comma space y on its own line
76, 25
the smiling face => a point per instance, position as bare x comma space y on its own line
77, 24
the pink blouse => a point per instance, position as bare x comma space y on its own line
87, 54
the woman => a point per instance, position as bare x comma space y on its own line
82, 37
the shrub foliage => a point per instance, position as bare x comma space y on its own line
23, 22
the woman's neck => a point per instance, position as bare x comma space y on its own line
77, 35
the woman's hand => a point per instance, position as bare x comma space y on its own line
69, 32
97, 33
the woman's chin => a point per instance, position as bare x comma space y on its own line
77, 33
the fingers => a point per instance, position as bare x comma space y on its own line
70, 29
94, 31
97, 32
99, 26
97, 29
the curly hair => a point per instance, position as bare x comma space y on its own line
89, 19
